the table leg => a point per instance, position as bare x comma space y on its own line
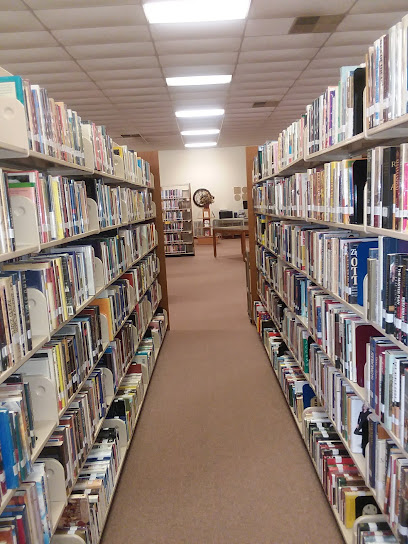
243, 245
214, 243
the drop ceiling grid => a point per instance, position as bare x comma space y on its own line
124, 76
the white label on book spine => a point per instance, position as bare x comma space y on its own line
404, 327
397, 323
389, 318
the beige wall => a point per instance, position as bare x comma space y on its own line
218, 170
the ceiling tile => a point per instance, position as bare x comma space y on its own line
73, 86
115, 50
363, 37
106, 75
268, 27
292, 41
343, 52
225, 29
15, 5
296, 8
51, 67
25, 40
45, 79
45, 4
370, 21
378, 6
176, 47
119, 64
261, 78
334, 64
198, 59
239, 84
35, 54
131, 83
104, 35
285, 54
145, 91
91, 17
18, 21
294, 66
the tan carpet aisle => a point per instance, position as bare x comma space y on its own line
216, 457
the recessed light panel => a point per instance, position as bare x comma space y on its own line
201, 144
195, 11
198, 80
200, 113
203, 132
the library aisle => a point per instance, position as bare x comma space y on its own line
217, 457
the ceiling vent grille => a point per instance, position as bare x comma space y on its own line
266, 104
316, 24
131, 136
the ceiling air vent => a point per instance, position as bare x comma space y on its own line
266, 104
131, 136
316, 24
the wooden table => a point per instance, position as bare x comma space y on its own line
242, 231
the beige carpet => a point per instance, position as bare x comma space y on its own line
216, 457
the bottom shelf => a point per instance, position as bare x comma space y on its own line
73, 539
346, 533
179, 253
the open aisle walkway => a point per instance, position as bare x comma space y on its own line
216, 457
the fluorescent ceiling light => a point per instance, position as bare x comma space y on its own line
195, 11
200, 113
204, 132
201, 144
198, 80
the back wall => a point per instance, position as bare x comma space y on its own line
218, 170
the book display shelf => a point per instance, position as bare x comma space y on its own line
177, 219
83, 311
328, 271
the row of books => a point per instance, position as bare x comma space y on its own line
174, 248
87, 508
335, 259
117, 205
61, 205
173, 226
171, 204
335, 191
100, 471
67, 279
266, 161
344, 486
387, 76
387, 187
291, 143
387, 474
337, 114
73, 438
57, 131
172, 194
173, 238
170, 217
27, 517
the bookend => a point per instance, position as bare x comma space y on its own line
38, 309
13, 129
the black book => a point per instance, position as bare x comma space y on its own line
359, 170
359, 83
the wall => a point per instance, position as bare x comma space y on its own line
218, 170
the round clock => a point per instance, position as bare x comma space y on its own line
202, 198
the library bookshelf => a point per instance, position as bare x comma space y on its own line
293, 204
131, 184
177, 219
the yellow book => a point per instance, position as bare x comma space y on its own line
56, 201
105, 308
60, 279
117, 149
357, 502
57, 355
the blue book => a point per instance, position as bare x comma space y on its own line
8, 450
12, 86
308, 396
359, 250
387, 245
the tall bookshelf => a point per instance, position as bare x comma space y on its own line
301, 214
177, 219
119, 345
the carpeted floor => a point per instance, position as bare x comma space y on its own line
216, 457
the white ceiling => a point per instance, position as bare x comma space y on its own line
104, 60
